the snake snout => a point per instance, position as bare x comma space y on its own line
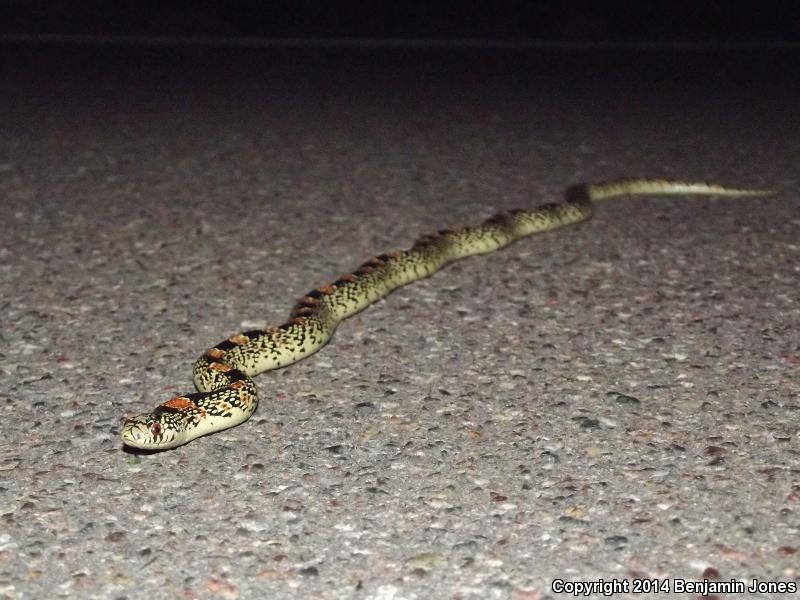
138, 433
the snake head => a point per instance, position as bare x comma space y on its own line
158, 430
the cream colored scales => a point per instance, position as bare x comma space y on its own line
223, 375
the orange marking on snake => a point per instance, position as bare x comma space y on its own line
326, 289
179, 402
236, 384
215, 353
220, 367
239, 339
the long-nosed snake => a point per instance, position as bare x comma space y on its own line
227, 395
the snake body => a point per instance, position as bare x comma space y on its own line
223, 374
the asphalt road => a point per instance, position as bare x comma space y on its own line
618, 400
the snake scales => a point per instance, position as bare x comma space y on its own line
223, 375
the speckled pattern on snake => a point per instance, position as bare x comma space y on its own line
223, 375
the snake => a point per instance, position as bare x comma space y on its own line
226, 394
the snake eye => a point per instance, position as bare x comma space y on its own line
155, 429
